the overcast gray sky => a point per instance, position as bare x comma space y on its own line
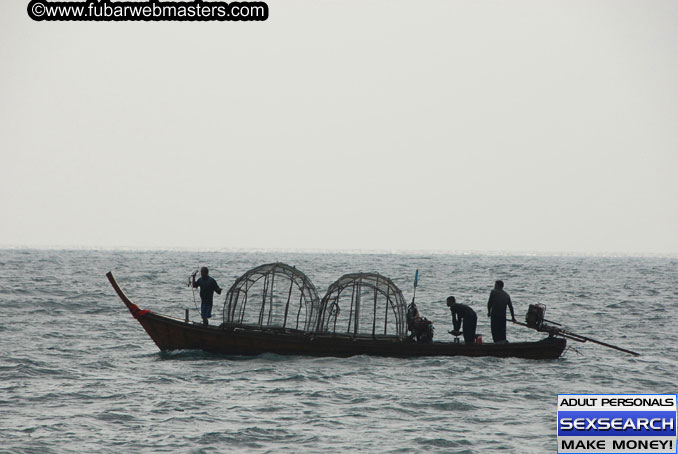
516, 126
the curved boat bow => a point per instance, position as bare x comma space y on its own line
133, 308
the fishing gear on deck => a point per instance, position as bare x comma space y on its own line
420, 327
535, 319
190, 284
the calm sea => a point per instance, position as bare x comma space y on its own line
79, 374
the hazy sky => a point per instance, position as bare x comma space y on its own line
517, 126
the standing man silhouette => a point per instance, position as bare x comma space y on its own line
496, 310
207, 288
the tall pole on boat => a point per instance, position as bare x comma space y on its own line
416, 281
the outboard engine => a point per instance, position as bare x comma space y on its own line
535, 316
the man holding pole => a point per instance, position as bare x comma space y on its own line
207, 286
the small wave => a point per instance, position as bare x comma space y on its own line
299, 378
27, 368
254, 437
184, 355
115, 417
443, 443
451, 406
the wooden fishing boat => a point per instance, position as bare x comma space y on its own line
361, 314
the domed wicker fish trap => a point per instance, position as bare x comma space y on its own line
363, 304
274, 295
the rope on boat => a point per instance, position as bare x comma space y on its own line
190, 284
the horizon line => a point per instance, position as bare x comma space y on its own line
356, 251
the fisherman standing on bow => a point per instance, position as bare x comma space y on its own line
463, 313
496, 310
207, 286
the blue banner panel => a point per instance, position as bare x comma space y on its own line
617, 423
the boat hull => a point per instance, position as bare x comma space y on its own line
174, 334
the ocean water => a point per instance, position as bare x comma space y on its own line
79, 374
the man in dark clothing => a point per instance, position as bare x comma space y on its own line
463, 313
496, 310
207, 288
